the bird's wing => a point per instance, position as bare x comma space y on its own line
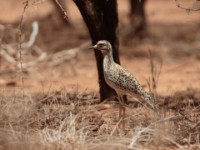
125, 79
125, 83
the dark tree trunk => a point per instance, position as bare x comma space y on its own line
137, 15
101, 18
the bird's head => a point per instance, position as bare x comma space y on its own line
104, 46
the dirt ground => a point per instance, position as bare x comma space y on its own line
172, 35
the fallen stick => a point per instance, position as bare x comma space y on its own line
66, 55
33, 35
7, 57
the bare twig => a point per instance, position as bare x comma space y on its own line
9, 53
9, 48
36, 56
196, 125
39, 59
174, 142
21, 23
7, 57
20, 42
62, 9
32, 37
155, 73
66, 55
37, 50
138, 135
188, 9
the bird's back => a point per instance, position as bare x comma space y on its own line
120, 79
124, 82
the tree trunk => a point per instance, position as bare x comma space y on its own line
101, 18
137, 15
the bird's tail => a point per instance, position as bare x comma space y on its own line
149, 99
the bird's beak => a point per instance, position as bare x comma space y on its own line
93, 47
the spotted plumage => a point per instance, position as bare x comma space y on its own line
119, 78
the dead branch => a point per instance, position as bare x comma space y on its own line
66, 55
36, 56
7, 57
174, 142
35, 62
37, 49
9, 53
62, 9
9, 48
196, 125
26, 3
32, 36
188, 9
155, 74
138, 134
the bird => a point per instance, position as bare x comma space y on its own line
120, 79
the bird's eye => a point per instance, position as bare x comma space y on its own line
101, 45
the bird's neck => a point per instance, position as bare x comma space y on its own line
108, 59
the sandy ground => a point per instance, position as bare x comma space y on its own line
173, 37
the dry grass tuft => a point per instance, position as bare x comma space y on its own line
61, 120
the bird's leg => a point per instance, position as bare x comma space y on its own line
120, 107
122, 111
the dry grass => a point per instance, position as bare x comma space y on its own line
75, 121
